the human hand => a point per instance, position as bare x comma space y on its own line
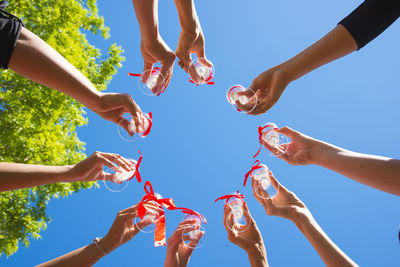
300, 151
122, 230
112, 107
178, 254
192, 42
285, 204
268, 87
91, 168
158, 51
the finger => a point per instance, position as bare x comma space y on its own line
108, 163
287, 131
117, 160
166, 72
201, 55
133, 109
246, 209
147, 68
131, 209
248, 106
124, 123
276, 184
195, 241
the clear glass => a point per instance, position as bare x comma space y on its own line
262, 186
275, 142
250, 99
136, 133
204, 72
152, 215
117, 181
238, 220
150, 86
190, 236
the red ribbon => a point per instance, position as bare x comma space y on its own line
168, 203
137, 165
256, 165
227, 197
156, 69
150, 119
260, 134
208, 81
159, 234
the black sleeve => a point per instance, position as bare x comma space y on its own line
370, 19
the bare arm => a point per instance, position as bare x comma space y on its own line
84, 256
153, 47
329, 252
287, 205
376, 171
34, 59
16, 175
379, 172
270, 84
121, 232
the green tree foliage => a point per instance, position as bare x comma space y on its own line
37, 124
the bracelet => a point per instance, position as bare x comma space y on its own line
95, 242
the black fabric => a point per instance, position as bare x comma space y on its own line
370, 19
10, 28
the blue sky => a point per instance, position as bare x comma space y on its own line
200, 148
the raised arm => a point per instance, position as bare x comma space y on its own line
121, 232
379, 172
34, 59
153, 47
364, 24
16, 175
191, 39
287, 205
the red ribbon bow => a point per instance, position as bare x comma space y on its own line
137, 165
227, 197
256, 165
260, 134
150, 119
159, 234
156, 69
168, 203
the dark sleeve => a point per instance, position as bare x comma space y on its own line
370, 19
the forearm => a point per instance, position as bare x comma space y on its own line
36, 60
336, 44
147, 16
85, 256
187, 15
258, 256
379, 172
331, 254
16, 176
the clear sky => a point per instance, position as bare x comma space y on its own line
200, 148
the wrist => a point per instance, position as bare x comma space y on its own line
106, 245
321, 152
257, 255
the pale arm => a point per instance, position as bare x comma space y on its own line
84, 256
376, 171
17, 175
329, 252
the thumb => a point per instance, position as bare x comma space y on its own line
287, 131
201, 55
147, 68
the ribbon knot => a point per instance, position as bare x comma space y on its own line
260, 134
137, 165
256, 165
227, 197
